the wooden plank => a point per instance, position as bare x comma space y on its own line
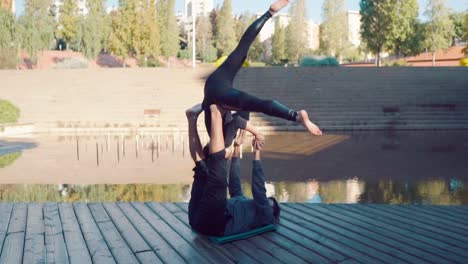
363, 227
97, 246
365, 244
136, 243
241, 250
115, 242
12, 251
434, 224
162, 248
207, 249
433, 219
56, 249
339, 243
446, 243
443, 212
456, 208
185, 249
285, 243
430, 245
232, 250
299, 233
74, 240
5, 212
34, 248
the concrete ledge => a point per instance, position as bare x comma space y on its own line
9, 130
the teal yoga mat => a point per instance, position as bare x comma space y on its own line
253, 232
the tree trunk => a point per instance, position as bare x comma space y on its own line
433, 58
378, 57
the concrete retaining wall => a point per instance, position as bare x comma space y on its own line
336, 98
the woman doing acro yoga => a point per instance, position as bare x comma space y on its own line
219, 85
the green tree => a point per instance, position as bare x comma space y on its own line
278, 43
8, 41
95, 29
404, 26
465, 35
68, 23
296, 31
440, 30
36, 27
135, 30
148, 42
205, 49
334, 37
414, 44
386, 24
225, 37
168, 27
458, 20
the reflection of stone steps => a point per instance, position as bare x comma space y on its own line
336, 98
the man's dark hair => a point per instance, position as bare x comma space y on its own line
276, 209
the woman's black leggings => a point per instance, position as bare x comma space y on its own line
219, 85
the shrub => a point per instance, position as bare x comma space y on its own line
313, 62
72, 63
8, 61
8, 112
396, 63
464, 62
223, 58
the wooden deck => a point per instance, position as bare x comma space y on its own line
159, 233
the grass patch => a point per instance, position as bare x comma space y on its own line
8, 159
9, 113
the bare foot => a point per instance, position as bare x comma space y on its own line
277, 6
194, 112
305, 121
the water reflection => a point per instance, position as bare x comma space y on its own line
365, 167
435, 192
94, 193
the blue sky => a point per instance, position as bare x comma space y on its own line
314, 6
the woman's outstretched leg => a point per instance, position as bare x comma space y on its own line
241, 101
234, 61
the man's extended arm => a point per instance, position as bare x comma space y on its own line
235, 187
263, 208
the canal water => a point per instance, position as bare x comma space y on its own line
390, 167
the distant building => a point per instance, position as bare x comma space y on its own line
197, 7
312, 30
353, 19
81, 4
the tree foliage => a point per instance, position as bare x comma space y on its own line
278, 43
205, 48
168, 27
36, 27
95, 29
225, 37
296, 31
68, 24
439, 30
387, 24
334, 35
135, 30
458, 21
8, 40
